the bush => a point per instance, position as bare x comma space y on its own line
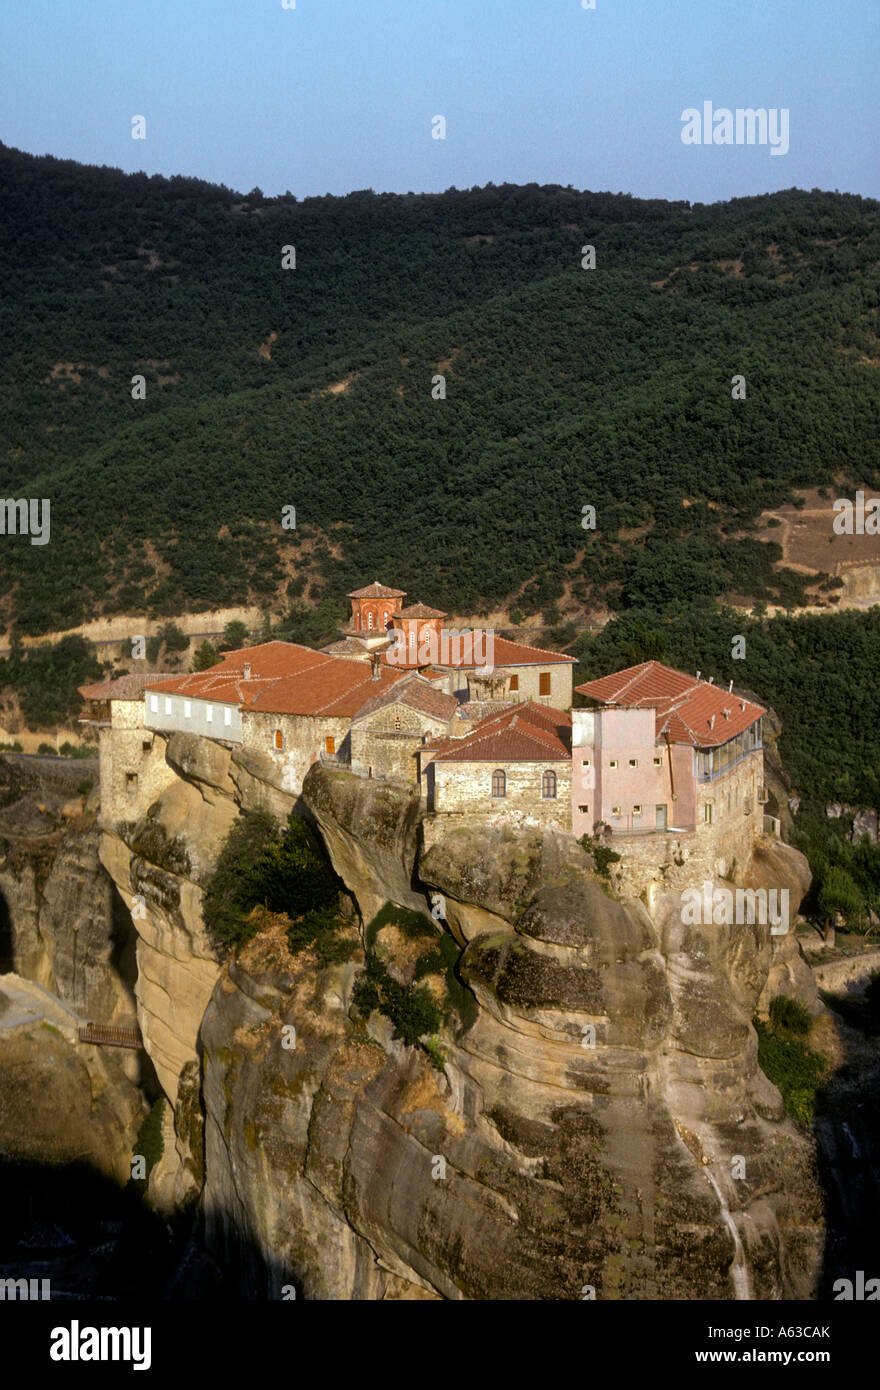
603, 857
261, 865
149, 1144
792, 1066
46, 750
789, 1013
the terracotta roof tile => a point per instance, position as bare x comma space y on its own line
521, 733
123, 687
377, 590
415, 694
420, 610
688, 710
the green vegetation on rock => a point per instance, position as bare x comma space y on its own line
790, 1063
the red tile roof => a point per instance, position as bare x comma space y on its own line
123, 687
688, 710
506, 654
284, 679
377, 590
416, 694
521, 733
419, 610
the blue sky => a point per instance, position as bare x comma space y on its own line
336, 95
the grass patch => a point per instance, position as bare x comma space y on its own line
790, 1063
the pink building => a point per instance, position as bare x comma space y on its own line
659, 750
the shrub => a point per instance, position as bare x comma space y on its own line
792, 1066
149, 1144
261, 865
603, 857
789, 1013
46, 750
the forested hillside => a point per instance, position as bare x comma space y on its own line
564, 387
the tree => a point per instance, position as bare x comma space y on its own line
204, 656
235, 634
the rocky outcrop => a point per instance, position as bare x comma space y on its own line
371, 831
61, 1101
599, 1120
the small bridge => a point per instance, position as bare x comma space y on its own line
105, 1035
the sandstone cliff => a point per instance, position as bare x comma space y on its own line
599, 1122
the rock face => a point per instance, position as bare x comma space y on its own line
600, 1119
61, 1101
64, 926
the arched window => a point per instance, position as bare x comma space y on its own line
397, 722
548, 785
358, 620
499, 783
385, 621
370, 620
279, 739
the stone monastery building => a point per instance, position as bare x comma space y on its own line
657, 762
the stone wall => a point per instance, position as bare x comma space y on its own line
463, 797
133, 768
385, 743
303, 742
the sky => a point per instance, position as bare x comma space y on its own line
335, 95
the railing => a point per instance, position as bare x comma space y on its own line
106, 1035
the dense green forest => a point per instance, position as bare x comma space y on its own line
564, 387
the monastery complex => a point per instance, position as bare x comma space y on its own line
664, 767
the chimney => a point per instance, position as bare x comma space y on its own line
376, 673
698, 675
247, 670
730, 688
712, 721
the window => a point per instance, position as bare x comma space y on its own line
585, 762
370, 621
514, 682
209, 713
279, 739
615, 810
167, 704
544, 683
397, 723
187, 709
358, 620
707, 813
385, 621
154, 703
613, 763
633, 762
227, 715
548, 785
658, 762
499, 783
637, 810
584, 810
145, 746
131, 783
330, 746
